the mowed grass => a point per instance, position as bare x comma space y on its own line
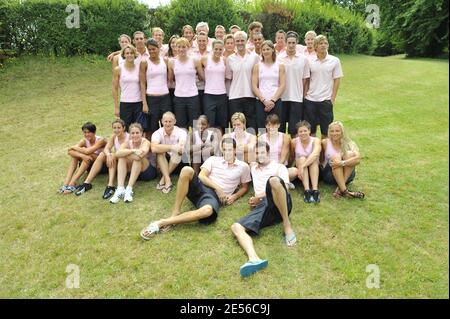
396, 109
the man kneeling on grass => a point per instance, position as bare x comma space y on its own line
218, 179
271, 204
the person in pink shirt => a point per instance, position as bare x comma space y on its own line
245, 141
126, 77
230, 48
326, 74
158, 35
306, 150
107, 160
234, 28
280, 41
135, 157
340, 157
184, 70
171, 55
268, 83
188, 33
203, 27
138, 43
204, 142
216, 185
297, 75
239, 71
169, 142
271, 204
279, 142
154, 88
84, 153
258, 40
215, 101
202, 50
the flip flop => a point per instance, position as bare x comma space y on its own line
149, 231
159, 186
251, 267
166, 189
290, 239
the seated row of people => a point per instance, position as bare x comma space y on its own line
171, 148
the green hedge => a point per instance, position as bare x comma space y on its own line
37, 26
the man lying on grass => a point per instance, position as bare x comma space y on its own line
216, 184
271, 204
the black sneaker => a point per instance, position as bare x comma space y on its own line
109, 191
307, 196
83, 188
315, 196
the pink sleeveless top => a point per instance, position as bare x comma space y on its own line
247, 138
198, 139
157, 78
130, 90
269, 79
300, 150
330, 152
215, 77
88, 144
120, 61
117, 143
275, 148
185, 75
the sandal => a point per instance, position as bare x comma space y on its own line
353, 194
149, 231
166, 189
337, 194
159, 186
290, 239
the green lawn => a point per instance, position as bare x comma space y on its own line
396, 109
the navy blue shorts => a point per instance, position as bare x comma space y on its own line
201, 195
326, 175
148, 174
266, 213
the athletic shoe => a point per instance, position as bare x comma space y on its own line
83, 188
118, 195
315, 196
109, 191
128, 198
307, 196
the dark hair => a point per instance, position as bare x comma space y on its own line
292, 34
263, 144
302, 123
272, 119
120, 121
229, 140
152, 42
170, 52
89, 126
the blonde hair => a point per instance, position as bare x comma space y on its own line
157, 29
347, 144
319, 39
183, 41
132, 48
311, 32
202, 24
270, 44
126, 36
136, 125
242, 34
217, 42
238, 116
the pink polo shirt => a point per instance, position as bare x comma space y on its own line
323, 74
227, 176
297, 69
239, 70
177, 136
261, 174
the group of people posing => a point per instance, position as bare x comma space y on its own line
176, 106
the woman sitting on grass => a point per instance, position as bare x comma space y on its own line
107, 157
83, 153
204, 143
134, 157
306, 149
340, 157
245, 141
279, 142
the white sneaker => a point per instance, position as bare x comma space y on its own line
118, 195
128, 198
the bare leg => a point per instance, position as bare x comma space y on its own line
314, 174
112, 174
280, 200
72, 167
293, 173
187, 217
81, 170
96, 168
186, 175
121, 171
164, 168
136, 168
338, 174
245, 241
